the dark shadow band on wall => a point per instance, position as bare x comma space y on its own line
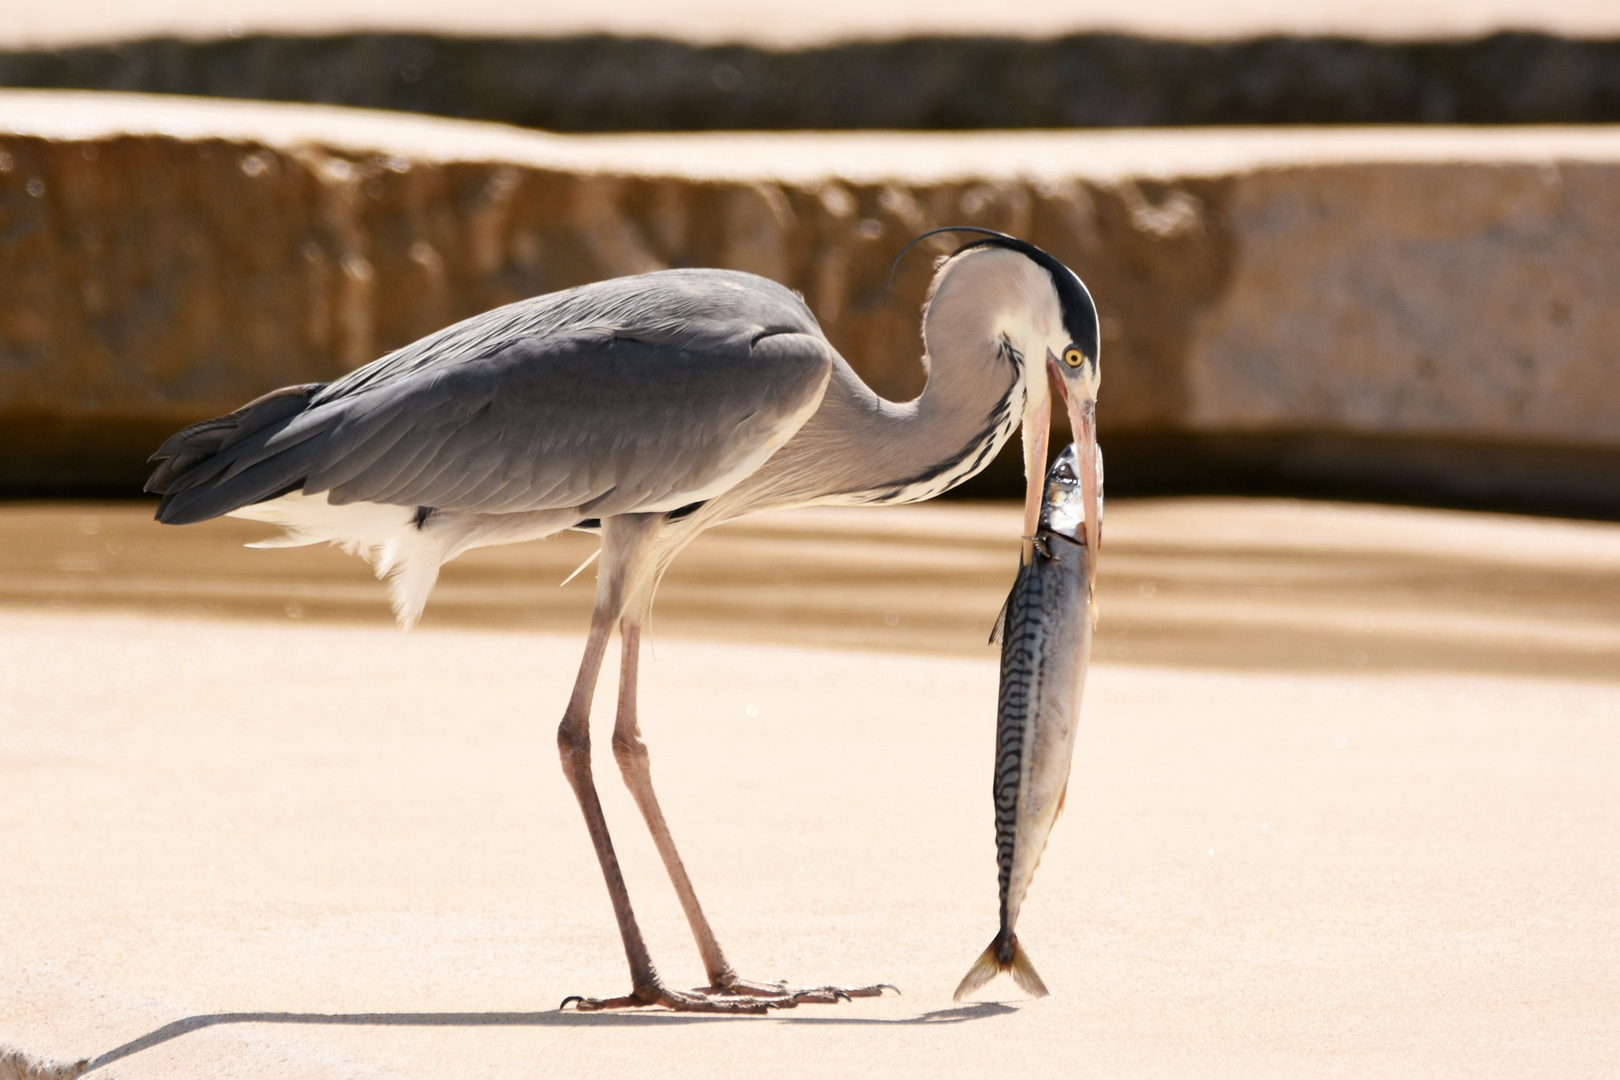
603, 83
1459, 473
44, 455
105, 457
1565, 481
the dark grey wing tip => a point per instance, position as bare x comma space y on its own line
203, 442
167, 513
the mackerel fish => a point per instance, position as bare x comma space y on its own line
1045, 646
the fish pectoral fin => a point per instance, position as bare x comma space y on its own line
998, 632
983, 970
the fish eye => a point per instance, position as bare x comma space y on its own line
1073, 357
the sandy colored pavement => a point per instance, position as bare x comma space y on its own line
1246, 584
781, 23
1344, 804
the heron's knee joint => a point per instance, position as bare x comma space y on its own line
573, 739
628, 750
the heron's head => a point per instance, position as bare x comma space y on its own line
1052, 327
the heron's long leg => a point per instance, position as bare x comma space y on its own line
626, 544
574, 747
631, 753
627, 547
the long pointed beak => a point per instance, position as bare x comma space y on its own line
1083, 422
1037, 427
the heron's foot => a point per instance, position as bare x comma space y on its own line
734, 997
660, 997
784, 996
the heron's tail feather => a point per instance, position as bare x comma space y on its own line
989, 965
219, 465
388, 537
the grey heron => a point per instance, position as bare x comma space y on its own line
652, 407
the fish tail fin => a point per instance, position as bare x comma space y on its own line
983, 970
989, 965
1023, 973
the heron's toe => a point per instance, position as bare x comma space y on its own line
784, 996
734, 997
675, 1001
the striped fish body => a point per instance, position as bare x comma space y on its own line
1045, 647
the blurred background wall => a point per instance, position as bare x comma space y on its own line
1418, 310
604, 83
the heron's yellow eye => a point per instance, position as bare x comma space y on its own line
1073, 357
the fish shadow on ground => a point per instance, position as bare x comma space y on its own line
554, 1018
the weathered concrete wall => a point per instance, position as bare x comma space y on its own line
1274, 304
1402, 298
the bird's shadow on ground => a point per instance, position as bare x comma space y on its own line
554, 1018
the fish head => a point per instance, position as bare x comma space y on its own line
1063, 504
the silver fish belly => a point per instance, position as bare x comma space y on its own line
1045, 647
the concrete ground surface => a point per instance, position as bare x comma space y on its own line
1344, 803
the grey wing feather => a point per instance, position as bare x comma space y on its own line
616, 397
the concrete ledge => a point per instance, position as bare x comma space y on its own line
167, 259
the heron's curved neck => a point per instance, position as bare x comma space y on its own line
860, 448
904, 452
